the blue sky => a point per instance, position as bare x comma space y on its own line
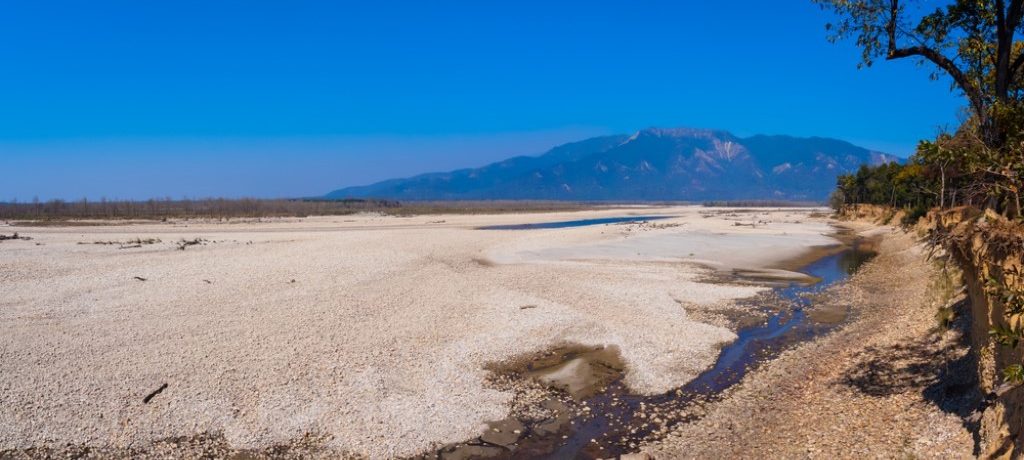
295, 98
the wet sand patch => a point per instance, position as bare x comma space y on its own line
578, 370
553, 389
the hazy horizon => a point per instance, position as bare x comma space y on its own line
400, 157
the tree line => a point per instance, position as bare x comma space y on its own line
952, 170
186, 208
225, 208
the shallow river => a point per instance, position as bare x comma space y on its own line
614, 421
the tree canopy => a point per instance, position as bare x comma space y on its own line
977, 43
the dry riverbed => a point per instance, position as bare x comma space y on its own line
371, 336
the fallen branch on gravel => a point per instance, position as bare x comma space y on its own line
186, 243
150, 397
15, 236
130, 244
139, 278
480, 442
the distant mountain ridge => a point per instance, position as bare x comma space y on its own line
682, 164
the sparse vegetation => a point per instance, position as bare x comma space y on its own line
947, 289
216, 208
1014, 373
1011, 333
63, 212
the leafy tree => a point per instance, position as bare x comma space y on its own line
975, 43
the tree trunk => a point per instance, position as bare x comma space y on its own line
942, 192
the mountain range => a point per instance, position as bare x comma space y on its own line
679, 164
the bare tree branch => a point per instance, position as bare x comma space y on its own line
1014, 16
948, 65
1013, 20
1015, 67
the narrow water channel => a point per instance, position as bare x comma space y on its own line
614, 421
574, 223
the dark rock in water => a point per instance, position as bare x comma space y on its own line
653, 164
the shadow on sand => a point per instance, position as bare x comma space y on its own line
940, 366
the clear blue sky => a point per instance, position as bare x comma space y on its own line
135, 99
